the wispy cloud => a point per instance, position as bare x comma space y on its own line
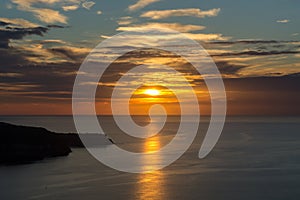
18, 22
283, 21
258, 53
174, 26
9, 6
17, 29
141, 4
227, 68
10, 74
44, 52
261, 57
52, 41
43, 14
246, 42
70, 8
105, 36
88, 4
193, 12
207, 37
125, 20
49, 16
70, 52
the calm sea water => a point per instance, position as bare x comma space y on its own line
255, 158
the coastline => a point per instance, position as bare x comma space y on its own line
25, 144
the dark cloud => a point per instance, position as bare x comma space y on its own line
249, 42
295, 75
18, 33
68, 53
13, 31
11, 57
257, 53
290, 82
4, 23
55, 26
228, 68
264, 95
49, 81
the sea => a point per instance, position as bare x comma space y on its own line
256, 158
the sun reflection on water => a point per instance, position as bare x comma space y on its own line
151, 185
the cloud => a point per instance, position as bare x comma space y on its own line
70, 52
70, 8
13, 29
43, 14
49, 16
141, 4
17, 22
10, 74
24, 78
48, 51
39, 73
263, 95
43, 83
174, 26
262, 57
227, 68
258, 53
88, 4
55, 26
193, 12
29, 3
245, 42
105, 36
125, 20
9, 6
36, 82
53, 41
284, 21
206, 37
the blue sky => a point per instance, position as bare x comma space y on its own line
241, 19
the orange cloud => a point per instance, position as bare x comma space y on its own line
43, 14
141, 4
174, 26
69, 8
193, 12
19, 22
49, 16
206, 37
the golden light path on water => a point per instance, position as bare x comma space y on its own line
151, 185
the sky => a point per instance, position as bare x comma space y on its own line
255, 45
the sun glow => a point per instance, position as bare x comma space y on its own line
152, 92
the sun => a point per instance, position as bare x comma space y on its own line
152, 92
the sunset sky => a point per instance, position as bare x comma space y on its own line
255, 44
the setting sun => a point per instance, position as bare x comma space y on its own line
152, 92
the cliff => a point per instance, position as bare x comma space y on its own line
22, 144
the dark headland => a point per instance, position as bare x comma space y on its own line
23, 144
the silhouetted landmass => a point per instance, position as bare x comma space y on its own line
22, 144
72, 139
